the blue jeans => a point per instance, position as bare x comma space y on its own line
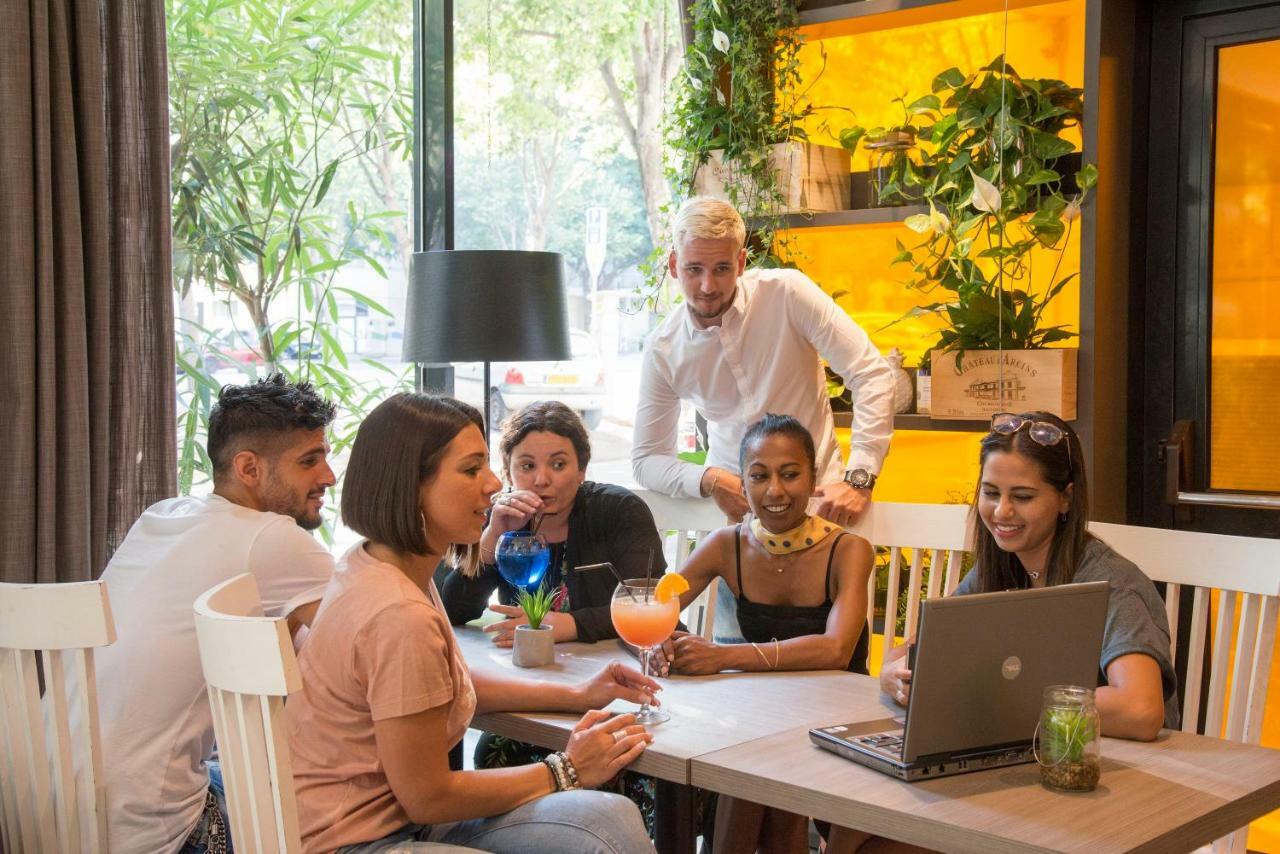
215, 823
581, 821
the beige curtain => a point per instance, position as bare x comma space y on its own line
86, 317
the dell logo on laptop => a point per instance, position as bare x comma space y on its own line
1011, 668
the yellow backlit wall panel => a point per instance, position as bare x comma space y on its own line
866, 71
1246, 271
852, 264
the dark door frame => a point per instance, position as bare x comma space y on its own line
1169, 341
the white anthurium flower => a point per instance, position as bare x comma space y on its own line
1072, 211
986, 197
938, 221
719, 96
720, 40
694, 82
919, 223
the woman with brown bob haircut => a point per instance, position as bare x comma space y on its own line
386, 693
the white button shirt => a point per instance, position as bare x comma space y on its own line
762, 358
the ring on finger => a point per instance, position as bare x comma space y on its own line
618, 735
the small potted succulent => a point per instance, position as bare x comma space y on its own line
535, 644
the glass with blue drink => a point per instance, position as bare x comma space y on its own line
523, 559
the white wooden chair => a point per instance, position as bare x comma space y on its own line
250, 667
1243, 575
682, 522
941, 530
51, 791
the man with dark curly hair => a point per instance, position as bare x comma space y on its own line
270, 473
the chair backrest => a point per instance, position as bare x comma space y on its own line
250, 667
1243, 575
938, 531
51, 790
682, 522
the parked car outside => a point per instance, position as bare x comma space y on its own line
577, 382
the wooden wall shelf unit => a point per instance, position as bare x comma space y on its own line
861, 216
921, 422
1111, 63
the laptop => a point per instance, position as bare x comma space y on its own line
979, 669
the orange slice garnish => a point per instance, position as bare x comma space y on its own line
670, 586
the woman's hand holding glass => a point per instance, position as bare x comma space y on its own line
694, 655
602, 744
617, 681
511, 512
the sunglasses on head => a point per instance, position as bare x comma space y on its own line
1043, 433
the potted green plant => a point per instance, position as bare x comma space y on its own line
1068, 748
735, 129
991, 176
535, 644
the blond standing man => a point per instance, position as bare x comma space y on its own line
749, 342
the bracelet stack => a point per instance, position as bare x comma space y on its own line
777, 654
562, 771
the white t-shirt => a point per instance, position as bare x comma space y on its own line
157, 728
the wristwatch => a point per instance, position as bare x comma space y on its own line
860, 479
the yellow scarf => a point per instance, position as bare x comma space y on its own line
810, 532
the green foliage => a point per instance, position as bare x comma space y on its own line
538, 603
991, 177
740, 93
1065, 734
275, 110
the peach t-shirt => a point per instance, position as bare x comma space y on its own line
379, 648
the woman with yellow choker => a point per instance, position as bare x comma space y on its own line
800, 581
801, 586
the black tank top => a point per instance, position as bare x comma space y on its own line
762, 623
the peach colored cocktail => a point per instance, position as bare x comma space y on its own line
645, 623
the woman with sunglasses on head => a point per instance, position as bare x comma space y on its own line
1030, 518
386, 693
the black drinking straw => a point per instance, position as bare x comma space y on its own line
648, 576
610, 567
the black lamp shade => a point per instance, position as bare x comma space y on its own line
486, 306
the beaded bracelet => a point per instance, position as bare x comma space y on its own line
566, 776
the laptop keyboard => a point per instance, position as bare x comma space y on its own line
890, 742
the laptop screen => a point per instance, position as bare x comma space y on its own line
982, 663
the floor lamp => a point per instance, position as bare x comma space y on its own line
485, 305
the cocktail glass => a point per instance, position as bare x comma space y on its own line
523, 559
644, 622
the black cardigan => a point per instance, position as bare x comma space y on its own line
607, 523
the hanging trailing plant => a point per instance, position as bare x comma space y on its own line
994, 178
738, 94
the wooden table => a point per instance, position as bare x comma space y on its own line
746, 735
1174, 794
708, 713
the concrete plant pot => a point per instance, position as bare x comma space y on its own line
533, 647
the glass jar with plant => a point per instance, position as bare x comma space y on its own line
992, 159
1068, 739
896, 173
535, 644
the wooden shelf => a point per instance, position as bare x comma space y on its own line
862, 216
831, 18
922, 422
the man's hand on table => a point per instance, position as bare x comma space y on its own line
563, 626
725, 489
840, 503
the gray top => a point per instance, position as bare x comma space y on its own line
1136, 620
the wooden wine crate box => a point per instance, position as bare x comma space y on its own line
811, 177
1031, 379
